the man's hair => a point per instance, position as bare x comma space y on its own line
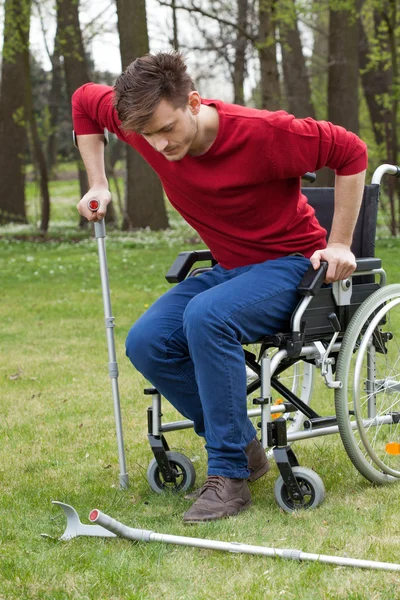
145, 82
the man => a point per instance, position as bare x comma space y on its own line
234, 174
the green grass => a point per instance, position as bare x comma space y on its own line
58, 443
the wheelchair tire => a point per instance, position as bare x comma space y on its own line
368, 403
311, 485
185, 474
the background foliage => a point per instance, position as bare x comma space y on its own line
330, 59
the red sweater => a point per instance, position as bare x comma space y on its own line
242, 196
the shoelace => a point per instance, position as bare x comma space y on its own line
214, 482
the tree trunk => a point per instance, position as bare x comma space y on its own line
270, 87
343, 72
143, 192
319, 60
76, 72
54, 103
239, 67
175, 41
393, 29
12, 122
37, 150
295, 73
376, 83
343, 67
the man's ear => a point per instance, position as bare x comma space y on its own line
194, 102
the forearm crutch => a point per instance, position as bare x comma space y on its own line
100, 233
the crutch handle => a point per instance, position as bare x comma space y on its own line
99, 227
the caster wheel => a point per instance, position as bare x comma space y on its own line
184, 473
310, 484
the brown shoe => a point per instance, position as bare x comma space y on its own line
220, 497
258, 465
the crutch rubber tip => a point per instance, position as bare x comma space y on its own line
93, 205
93, 515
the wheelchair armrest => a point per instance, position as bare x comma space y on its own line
368, 264
184, 262
311, 177
312, 280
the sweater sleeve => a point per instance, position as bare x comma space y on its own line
301, 145
93, 110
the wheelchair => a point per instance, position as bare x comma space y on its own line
349, 332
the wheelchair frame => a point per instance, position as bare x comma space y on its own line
329, 327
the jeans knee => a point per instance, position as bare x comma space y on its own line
134, 345
142, 348
200, 318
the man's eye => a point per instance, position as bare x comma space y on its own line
168, 128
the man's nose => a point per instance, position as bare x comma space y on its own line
160, 144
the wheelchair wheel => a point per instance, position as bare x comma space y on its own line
368, 404
185, 474
310, 484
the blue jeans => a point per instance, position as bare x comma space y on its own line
188, 344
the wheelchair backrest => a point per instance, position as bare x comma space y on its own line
322, 200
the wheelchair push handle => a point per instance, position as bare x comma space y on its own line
312, 280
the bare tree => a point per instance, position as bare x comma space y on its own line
55, 95
37, 150
54, 103
175, 42
227, 39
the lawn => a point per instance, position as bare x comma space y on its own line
58, 443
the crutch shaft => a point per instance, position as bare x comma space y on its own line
145, 535
100, 233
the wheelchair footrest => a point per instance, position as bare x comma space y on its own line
320, 423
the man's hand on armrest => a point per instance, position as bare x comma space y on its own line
341, 261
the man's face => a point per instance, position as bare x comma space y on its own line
171, 131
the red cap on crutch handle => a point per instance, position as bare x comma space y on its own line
93, 515
93, 204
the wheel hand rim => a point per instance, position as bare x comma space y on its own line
356, 387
